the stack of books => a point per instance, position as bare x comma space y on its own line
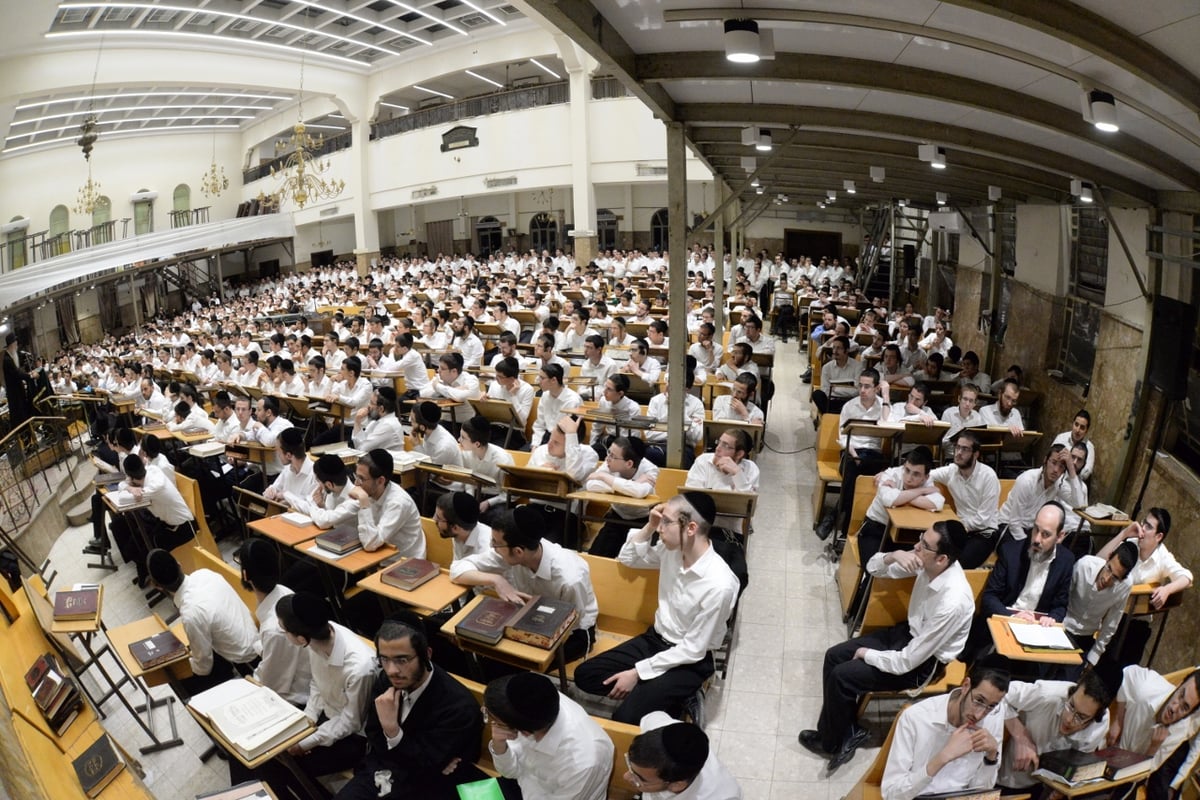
539, 622
54, 693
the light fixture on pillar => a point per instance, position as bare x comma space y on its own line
831, 195
878, 174
1100, 109
995, 193
741, 41
941, 198
848, 186
1082, 190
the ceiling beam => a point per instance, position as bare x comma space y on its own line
588, 28
875, 76
916, 130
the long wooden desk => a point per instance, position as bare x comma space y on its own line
518, 654
1009, 647
283, 532
908, 518
428, 598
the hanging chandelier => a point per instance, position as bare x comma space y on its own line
214, 181
88, 196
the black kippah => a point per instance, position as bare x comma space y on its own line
703, 504
686, 745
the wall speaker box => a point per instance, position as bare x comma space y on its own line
1171, 336
948, 221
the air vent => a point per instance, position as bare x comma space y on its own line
277, 31
202, 20
340, 44
244, 25
402, 43
650, 171
161, 17
511, 11
73, 16
474, 21
117, 14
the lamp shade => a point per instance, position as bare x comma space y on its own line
741, 41
1104, 111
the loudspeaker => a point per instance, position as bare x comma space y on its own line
1171, 336
910, 261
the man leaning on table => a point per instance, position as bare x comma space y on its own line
386, 513
1155, 718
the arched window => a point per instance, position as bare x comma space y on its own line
658, 230
489, 236
59, 238
16, 246
183, 198
543, 233
143, 216
606, 229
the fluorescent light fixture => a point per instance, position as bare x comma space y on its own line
759, 190
134, 95
123, 109
763, 144
485, 79
939, 159
208, 37
485, 12
1082, 190
545, 69
902, 202
820, 204
433, 91
427, 15
1085, 196
754, 183
1103, 109
749, 163
831, 195
941, 198
848, 186
877, 174
741, 41
130, 132
994, 193
393, 105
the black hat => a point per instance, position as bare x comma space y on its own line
310, 610
528, 518
466, 508
429, 413
259, 560
163, 568
292, 437
12, 337
327, 466
703, 504
686, 745
527, 701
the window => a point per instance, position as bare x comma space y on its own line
606, 229
59, 239
16, 247
182, 200
101, 214
1076, 326
543, 233
659, 233
489, 236
143, 216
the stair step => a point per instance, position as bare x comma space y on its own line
80, 514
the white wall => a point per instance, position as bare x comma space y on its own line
1122, 298
1040, 242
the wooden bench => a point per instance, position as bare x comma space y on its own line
829, 461
627, 598
622, 735
849, 574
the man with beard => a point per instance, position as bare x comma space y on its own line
1031, 579
976, 492
1156, 718
949, 743
376, 426
423, 727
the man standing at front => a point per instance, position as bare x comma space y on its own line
661, 668
904, 655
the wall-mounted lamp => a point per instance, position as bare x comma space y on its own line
1100, 109
848, 186
877, 174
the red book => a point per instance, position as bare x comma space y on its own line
76, 605
38, 671
410, 574
1123, 763
487, 621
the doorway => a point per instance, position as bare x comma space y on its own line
813, 244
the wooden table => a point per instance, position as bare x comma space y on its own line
1097, 526
517, 654
1007, 645
278, 751
428, 598
1100, 788
171, 673
285, 533
908, 518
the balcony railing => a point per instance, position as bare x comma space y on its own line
332, 144
547, 94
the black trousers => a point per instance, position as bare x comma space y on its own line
868, 462
343, 754
870, 538
978, 547
847, 679
667, 692
612, 536
366, 786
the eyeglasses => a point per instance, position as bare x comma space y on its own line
637, 780
964, 448
399, 661
500, 546
921, 545
981, 703
1076, 716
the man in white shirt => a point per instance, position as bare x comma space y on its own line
671, 759
376, 426
861, 455
1046, 716
906, 485
451, 382
641, 363
728, 469
963, 415
626, 471
296, 478
431, 438
663, 667
509, 388
386, 513
330, 504
596, 365
409, 363
1155, 718
707, 353
167, 523
343, 670
1078, 435
904, 655
739, 405
976, 492
219, 627
830, 398
521, 564
545, 741
1004, 411
1033, 488
1099, 589
949, 743
283, 666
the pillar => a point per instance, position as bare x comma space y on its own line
366, 226
583, 193
677, 287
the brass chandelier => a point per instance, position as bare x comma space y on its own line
302, 172
214, 181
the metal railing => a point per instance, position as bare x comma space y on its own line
516, 100
331, 144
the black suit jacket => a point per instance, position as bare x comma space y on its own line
1008, 579
444, 724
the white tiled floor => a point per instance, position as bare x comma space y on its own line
789, 615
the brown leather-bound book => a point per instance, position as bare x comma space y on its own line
340, 540
97, 766
486, 623
49, 690
410, 574
75, 605
542, 622
157, 649
44, 664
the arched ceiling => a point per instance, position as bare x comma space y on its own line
855, 84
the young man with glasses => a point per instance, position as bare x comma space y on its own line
671, 759
386, 513
949, 743
1099, 589
976, 492
423, 727
1048, 716
663, 667
1156, 718
904, 655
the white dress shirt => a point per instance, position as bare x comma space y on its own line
1029, 494
521, 398
392, 519
385, 433
976, 499
353, 397
284, 666
339, 507
640, 485
215, 620
887, 495
578, 460
1090, 610
297, 483
958, 422
549, 410
340, 688
166, 503
1064, 439
561, 574
1160, 567
852, 410
572, 760
992, 416
921, 731
1040, 706
722, 408
1143, 692
439, 444
704, 475
693, 418
939, 617
694, 603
